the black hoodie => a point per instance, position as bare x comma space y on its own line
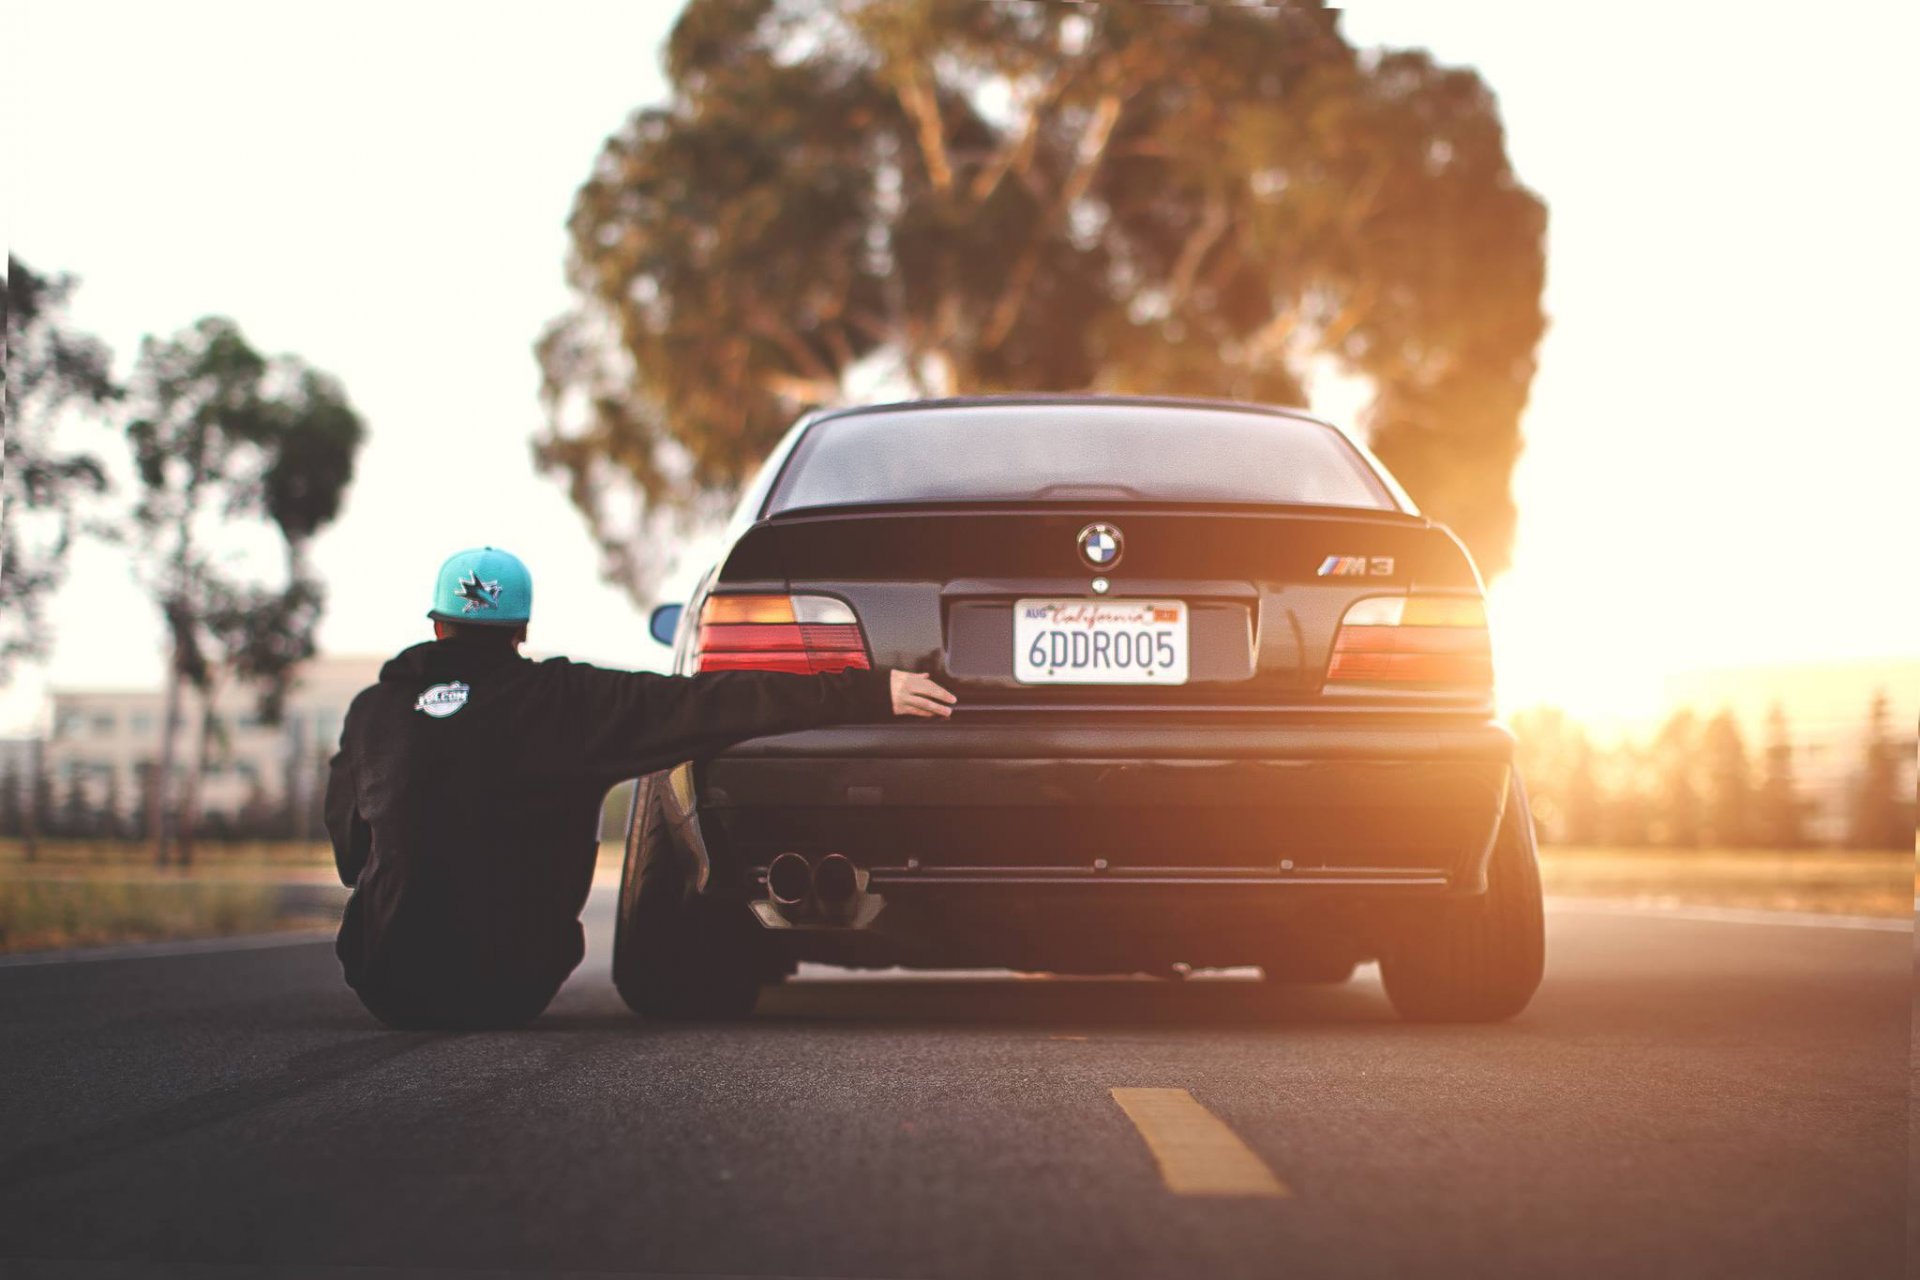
464, 804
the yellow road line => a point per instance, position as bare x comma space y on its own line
1198, 1155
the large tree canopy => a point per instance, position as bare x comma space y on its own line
49, 369
1154, 198
224, 440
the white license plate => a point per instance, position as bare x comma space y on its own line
1100, 641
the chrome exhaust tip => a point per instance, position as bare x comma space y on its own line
789, 879
836, 882
830, 894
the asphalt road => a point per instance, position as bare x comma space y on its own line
1686, 1097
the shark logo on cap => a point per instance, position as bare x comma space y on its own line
477, 594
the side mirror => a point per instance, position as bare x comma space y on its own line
665, 621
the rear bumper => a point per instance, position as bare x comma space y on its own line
1353, 805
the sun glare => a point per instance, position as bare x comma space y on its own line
1568, 650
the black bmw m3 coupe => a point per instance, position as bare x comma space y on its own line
1226, 698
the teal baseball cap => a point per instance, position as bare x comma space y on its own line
484, 586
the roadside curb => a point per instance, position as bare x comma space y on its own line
1566, 905
175, 947
1727, 915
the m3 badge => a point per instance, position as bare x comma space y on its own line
1356, 567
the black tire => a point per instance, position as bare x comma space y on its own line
1479, 960
677, 955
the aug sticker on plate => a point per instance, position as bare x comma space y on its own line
1100, 641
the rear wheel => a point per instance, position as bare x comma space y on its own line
678, 955
1478, 960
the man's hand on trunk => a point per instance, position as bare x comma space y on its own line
917, 695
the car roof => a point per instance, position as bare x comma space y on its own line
1068, 398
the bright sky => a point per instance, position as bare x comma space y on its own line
1721, 454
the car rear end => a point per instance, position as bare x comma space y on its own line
1218, 686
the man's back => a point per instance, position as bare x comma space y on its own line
464, 808
479, 838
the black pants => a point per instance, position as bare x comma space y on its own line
472, 1009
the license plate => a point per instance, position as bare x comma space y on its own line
1100, 641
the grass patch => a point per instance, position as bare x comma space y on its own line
82, 893
36, 915
287, 859
1836, 881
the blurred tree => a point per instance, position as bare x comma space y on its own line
212, 743
1037, 197
295, 768
313, 819
1583, 805
223, 437
76, 810
111, 816
1728, 783
1631, 787
40, 812
13, 801
145, 780
1674, 759
259, 636
260, 817
219, 826
1880, 817
1779, 811
49, 369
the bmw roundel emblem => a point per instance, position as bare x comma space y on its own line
1101, 545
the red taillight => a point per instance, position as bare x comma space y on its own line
804, 634
1413, 641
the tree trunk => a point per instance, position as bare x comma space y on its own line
293, 793
196, 778
160, 800
30, 826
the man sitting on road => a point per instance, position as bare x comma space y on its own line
464, 804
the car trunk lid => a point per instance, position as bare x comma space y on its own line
936, 588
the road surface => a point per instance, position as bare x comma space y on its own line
1686, 1097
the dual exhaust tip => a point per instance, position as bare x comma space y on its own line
833, 883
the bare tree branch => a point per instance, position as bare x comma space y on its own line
918, 100
1087, 157
801, 390
1017, 155
1213, 224
771, 327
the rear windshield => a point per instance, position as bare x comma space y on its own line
1068, 452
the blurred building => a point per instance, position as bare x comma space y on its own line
16, 755
105, 743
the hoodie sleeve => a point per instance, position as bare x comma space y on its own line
635, 722
350, 832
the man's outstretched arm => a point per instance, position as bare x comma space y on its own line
637, 722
